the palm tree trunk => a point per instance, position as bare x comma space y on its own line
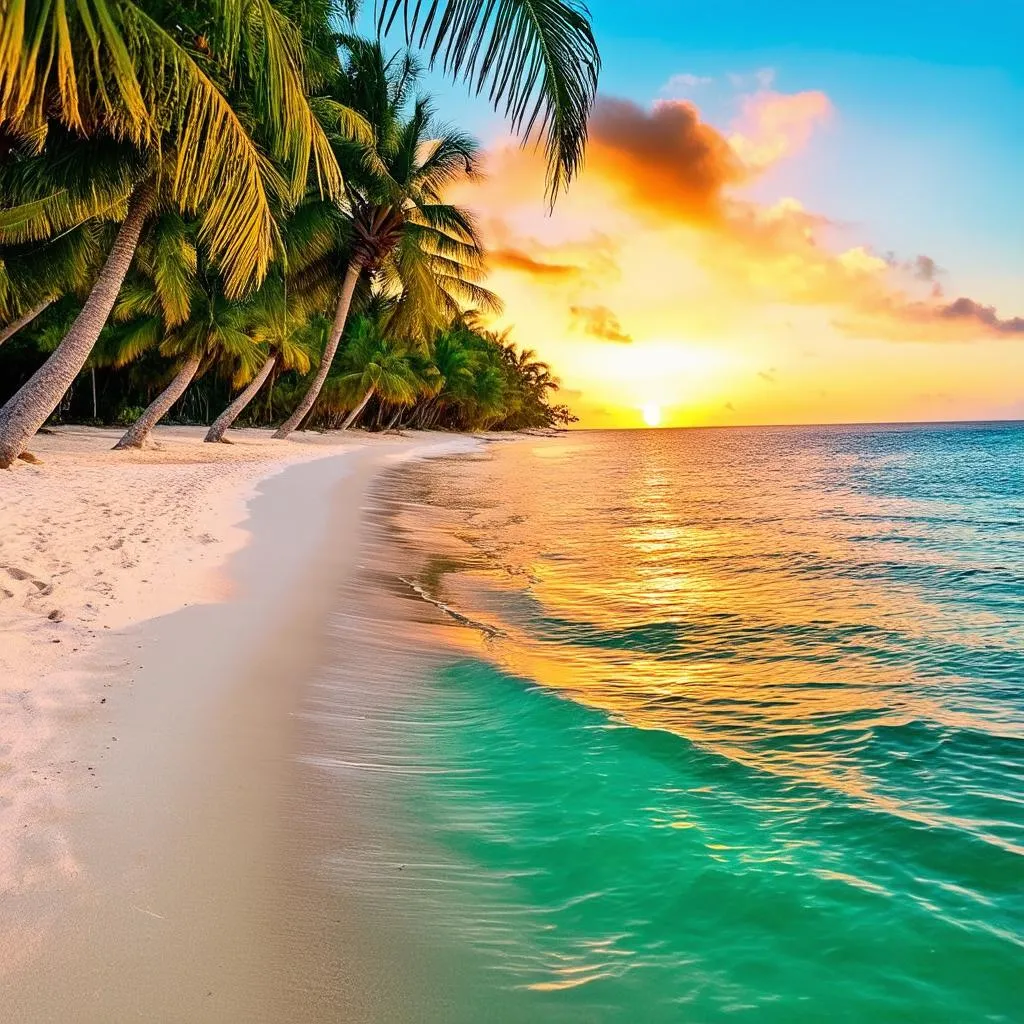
27, 410
234, 410
16, 325
135, 436
420, 414
354, 414
432, 417
340, 316
394, 419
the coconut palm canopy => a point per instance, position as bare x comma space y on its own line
162, 159
397, 232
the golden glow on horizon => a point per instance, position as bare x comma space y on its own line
661, 281
651, 413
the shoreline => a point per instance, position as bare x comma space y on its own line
152, 852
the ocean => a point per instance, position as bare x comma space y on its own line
719, 724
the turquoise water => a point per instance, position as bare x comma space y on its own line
744, 735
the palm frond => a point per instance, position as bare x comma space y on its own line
536, 60
172, 265
130, 342
294, 131
95, 179
137, 298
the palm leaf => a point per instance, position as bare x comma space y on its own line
137, 298
170, 259
125, 345
535, 59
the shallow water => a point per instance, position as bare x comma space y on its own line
743, 735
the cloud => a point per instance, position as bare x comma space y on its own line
599, 322
762, 78
667, 161
664, 160
664, 175
895, 317
683, 84
768, 375
967, 309
524, 263
776, 125
924, 268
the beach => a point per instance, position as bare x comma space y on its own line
160, 612
603, 726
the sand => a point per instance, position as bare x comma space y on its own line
146, 683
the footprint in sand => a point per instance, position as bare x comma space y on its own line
23, 575
35, 587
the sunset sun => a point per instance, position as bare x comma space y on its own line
651, 413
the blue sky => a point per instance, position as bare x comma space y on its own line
922, 152
927, 146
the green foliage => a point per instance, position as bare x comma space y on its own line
466, 378
407, 239
535, 59
128, 414
278, 153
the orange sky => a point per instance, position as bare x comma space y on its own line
660, 284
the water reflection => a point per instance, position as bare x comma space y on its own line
805, 603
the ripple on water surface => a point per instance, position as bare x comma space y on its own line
747, 737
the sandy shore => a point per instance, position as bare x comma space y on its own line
147, 681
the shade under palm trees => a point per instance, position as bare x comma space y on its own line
211, 331
280, 324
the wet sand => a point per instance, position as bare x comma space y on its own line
192, 834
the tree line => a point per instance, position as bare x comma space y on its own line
238, 206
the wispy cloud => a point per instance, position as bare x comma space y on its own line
599, 322
759, 79
516, 259
774, 126
683, 84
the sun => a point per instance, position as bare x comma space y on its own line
651, 414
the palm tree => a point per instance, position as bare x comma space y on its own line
23, 320
150, 85
536, 60
454, 364
375, 363
481, 380
34, 276
399, 230
190, 320
280, 323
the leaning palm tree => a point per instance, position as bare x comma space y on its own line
152, 85
34, 276
374, 364
281, 324
400, 232
213, 334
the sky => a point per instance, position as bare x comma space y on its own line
789, 213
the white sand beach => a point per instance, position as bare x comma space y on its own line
147, 679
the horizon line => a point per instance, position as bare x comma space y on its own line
850, 423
